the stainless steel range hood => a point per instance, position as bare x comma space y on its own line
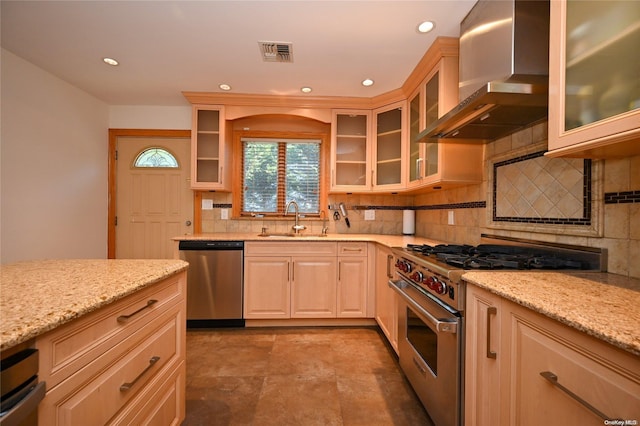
504, 67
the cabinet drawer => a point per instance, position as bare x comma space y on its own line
70, 347
94, 395
163, 403
352, 249
602, 376
274, 248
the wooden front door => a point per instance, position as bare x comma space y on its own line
153, 203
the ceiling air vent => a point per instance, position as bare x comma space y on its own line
276, 51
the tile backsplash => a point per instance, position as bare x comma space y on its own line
471, 207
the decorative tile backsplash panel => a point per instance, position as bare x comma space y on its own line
536, 189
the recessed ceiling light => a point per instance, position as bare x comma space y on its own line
426, 26
224, 87
110, 61
367, 82
306, 89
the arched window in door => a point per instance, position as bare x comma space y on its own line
156, 157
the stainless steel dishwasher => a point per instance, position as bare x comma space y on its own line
214, 283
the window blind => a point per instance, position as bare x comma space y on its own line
278, 171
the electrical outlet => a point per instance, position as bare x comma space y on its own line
369, 215
450, 218
224, 214
207, 204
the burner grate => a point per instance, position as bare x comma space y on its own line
494, 256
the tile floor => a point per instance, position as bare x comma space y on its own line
296, 376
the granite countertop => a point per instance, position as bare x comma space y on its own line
600, 304
387, 240
38, 296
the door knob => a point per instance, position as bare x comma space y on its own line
188, 223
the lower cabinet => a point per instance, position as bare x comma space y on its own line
123, 364
386, 305
526, 369
305, 280
267, 287
313, 287
482, 359
353, 280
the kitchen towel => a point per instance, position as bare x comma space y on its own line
408, 222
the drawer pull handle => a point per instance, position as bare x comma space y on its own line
125, 318
129, 385
389, 259
352, 249
491, 310
553, 379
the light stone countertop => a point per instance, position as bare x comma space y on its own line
387, 240
38, 296
603, 305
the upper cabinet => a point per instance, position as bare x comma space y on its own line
594, 79
389, 143
364, 159
210, 151
439, 164
350, 151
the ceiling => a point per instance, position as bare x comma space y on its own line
167, 47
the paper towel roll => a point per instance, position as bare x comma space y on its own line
408, 222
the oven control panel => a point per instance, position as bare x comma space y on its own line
433, 283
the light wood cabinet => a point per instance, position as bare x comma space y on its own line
305, 280
353, 283
123, 361
290, 280
482, 357
386, 305
313, 287
210, 149
267, 288
350, 151
594, 88
544, 372
388, 151
435, 165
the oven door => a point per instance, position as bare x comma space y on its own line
429, 346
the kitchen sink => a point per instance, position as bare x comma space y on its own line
289, 234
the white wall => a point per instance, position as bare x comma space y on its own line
150, 117
54, 191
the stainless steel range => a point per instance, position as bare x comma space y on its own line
432, 303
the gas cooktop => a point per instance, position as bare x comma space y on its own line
513, 254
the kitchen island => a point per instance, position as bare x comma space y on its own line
111, 337
38, 296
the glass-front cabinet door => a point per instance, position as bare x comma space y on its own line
388, 146
350, 157
416, 156
208, 149
424, 109
594, 76
432, 113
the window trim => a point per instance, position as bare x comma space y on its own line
238, 137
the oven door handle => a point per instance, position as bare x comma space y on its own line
442, 326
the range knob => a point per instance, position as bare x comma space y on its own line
403, 265
441, 288
432, 282
417, 276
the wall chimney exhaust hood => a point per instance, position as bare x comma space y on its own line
504, 73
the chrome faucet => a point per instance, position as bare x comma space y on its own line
296, 228
325, 227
